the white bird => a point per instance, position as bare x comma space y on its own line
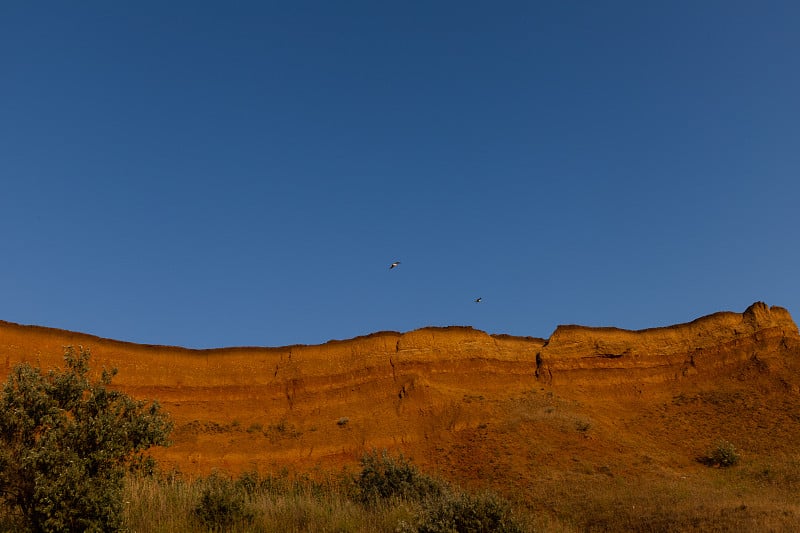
394, 265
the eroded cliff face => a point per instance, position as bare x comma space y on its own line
435, 391
608, 356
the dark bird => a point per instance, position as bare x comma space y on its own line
394, 265
478, 300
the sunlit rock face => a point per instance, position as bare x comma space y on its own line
598, 356
446, 396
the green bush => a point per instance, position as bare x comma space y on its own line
384, 477
223, 503
440, 509
65, 444
724, 454
462, 513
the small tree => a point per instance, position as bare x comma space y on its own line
65, 443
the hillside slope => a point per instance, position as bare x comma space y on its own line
488, 410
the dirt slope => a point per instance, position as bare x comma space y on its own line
482, 409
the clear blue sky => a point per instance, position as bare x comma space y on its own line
243, 173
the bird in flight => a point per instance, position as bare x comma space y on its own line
478, 300
394, 265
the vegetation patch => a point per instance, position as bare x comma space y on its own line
282, 429
723, 455
455, 511
66, 443
383, 477
222, 504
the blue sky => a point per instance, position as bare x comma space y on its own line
243, 173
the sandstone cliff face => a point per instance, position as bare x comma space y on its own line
424, 391
572, 354
602, 356
372, 357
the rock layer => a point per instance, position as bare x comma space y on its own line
432, 391
600, 356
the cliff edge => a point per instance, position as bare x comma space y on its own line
595, 356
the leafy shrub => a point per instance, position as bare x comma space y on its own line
384, 477
223, 503
464, 513
65, 444
723, 454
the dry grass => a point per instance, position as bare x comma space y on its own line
752, 496
755, 497
749, 497
167, 506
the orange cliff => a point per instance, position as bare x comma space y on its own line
423, 392
599, 356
